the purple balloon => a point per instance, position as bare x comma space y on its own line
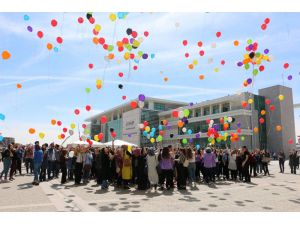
290, 77
129, 135
249, 81
29, 28
239, 124
239, 63
184, 119
142, 97
266, 51
216, 127
131, 40
191, 104
168, 127
191, 140
145, 56
250, 46
197, 135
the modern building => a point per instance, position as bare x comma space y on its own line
6, 141
125, 121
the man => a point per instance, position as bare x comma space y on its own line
57, 160
19, 158
28, 156
293, 161
37, 161
246, 163
281, 158
51, 161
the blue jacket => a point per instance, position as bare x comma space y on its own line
38, 156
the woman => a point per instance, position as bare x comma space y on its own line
13, 166
182, 169
191, 166
142, 179
265, 162
209, 162
119, 166
63, 165
70, 164
225, 160
28, 156
104, 171
232, 165
198, 164
37, 162
239, 163
87, 160
152, 163
6, 158
98, 165
78, 165
44, 165
126, 167
166, 165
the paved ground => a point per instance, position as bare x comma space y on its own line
279, 192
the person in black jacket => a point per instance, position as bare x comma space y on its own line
6, 157
13, 166
63, 166
104, 172
281, 159
239, 162
142, 179
293, 162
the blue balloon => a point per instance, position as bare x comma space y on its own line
152, 134
160, 127
2, 116
152, 55
136, 61
1, 138
197, 147
55, 49
145, 133
26, 17
190, 131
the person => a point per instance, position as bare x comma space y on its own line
246, 164
135, 170
166, 164
239, 162
126, 167
181, 168
104, 171
142, 179
225, 161
37, 162
253, 164
232, 165
78, 165
258, 156
51, 161
57, 160
13, 166
6, 157
209, 163
219, 163
266, 158
191, 166
198, 161
87, 159
281, 159
44, 165
71, 164
20, 154
63, 166
293, 161
28, 156
119, 166
152, 163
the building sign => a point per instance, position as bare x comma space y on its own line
130, 127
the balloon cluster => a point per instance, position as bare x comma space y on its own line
150, 133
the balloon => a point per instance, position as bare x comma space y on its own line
236, 43
59, 40
261, 120
267, 21
152, 140
263, 112
112, 17
113, 134
263, 26
80, 20
71, 132
166, 79
201, 77
26, 17
55, 49
5, 55
175, 114
91, 65
62, 136
184, 141
96, 137
250, 101
83, 126
103, 119
189, 131
129, 31
244, 104
201, 53
268, 101
146, 33
87, 90
76, 111
1, 138
88, 108
184, 130
281, 97
49, 46
142, 97
184, 42
2, 116
186, 112
53, 23
29, 28
180, 114
41, 135
19, 86
40, 34
272, 107
65, 129
31, 130
72, 125
218, 34
286, 65
278, 128
229, 119
133, 104
59, 123
255, 129
290, 77
147, 128
291, 141
100, 136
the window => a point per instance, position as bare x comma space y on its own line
159, 107
226, 107
206, 111
198, 112
215, 109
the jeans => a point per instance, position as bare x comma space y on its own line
192, 172
51, 169
19, 165
29, 164
233, 174
37, 168
266, 169
78, 173
259, 167
281, 166
168, 176
13, 168
246, 173
6, 166
104, 184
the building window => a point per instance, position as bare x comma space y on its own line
159, 107
198, 112
206, 111
226, 107
215, 109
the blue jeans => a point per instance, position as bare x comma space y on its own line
192, 172
37, 168
6, 166
104, 184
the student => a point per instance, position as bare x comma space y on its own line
37, 162
13, 166
119, 166
71, 164
126, 167
198, 161
209, 163
293, 161
142, 179
78, 165
191, 166
225, 160
239, 162
281, 159
63, 166
87, 159
44, 165
19, 153
182, 164
232, 165
265, 162
166, 164
104, 171
28, 156
246, 164
6, 158
152, 163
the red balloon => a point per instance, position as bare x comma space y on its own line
95, 32
291, 141
76, 111
286, 65
113, 134
200, 43
207, 121
124, 97
161, 133
133, 104
145, 123
239, 130
92, 20
186, 55
175, 114
272, 107
268, 101
91, 66
244, 104
65, 130
103, 119
146, 33
120, 49
263, 26
201, 53
100, 136
40, 34
184, 42
261, 120
221, 120
59, 40
131, 56
88, 108
267, 20
101, 40
134, 34
53, 23
125, 41
218, 34
62, 136
223, 62
59, 123
80, 20
121, 74
135, 67
84, 126
261, 68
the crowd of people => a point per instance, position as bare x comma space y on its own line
143, 168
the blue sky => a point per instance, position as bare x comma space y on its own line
54, 83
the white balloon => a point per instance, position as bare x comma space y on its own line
142, 126
71, 132
184, 129
141, 104
211, 122
229, 119
83, 138
148, 136
181, 114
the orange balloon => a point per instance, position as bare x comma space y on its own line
5, 55
255, 129
49, 46
236, 43
111, 55
31, 131
201, 77
98, 86
119, 43
278, 128
191, 66
19, 86
166, 79
53, 122
95, 40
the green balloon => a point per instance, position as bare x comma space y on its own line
243, 138
249, 41
184, 141
255, 72
140, 53
110, 48
159, 138
129, 47
86, 131
87, 90
247, 66
257, 54
186, 112
218, 139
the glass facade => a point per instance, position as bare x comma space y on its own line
226, 107
152, 118
206, 111
117, 126
159, 106
216, 109
198, 112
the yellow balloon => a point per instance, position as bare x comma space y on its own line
129, 148
59, 137
136, 43
72, 125
41, 135
278, 128
152, 140
96, 138
99, 82
216, 69
250, 101
97, 27
112, 17
126, 55
246, 56
147, 128
281, 97
195, 62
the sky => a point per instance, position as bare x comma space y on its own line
54, 83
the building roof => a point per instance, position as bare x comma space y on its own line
127, 104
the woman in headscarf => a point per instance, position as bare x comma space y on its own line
127, 166
152, 163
